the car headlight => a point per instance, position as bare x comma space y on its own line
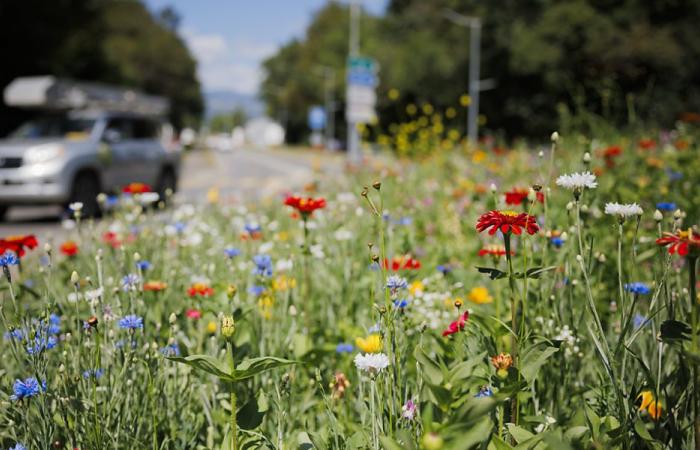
44, 153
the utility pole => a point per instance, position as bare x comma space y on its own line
474, 24
329, 75
353, 144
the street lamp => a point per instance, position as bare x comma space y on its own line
474, 24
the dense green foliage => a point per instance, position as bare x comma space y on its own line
226, 122
600, 61
118, 42
190, 326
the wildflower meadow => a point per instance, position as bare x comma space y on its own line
534, 297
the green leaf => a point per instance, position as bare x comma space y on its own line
205, 363
357, 441
494, 274
253, 366
534, 359
576, 434
519, 434
642, 431
431, 369
389, 444
499, 444
672, 330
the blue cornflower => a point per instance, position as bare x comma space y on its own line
395, 282
485, 391
666, 206
18, 446
130, 282
344, 348
41, 343
374, 267
16, 334
639, 321
444, 269
131, 322
54, 324
231, 252
94, 373
263, 265
637, 288
405, 221
557, 241
171, 350
111, 202
401, 303
144, 264
8, 259
27, 388
180, 227
252, 228
256, 290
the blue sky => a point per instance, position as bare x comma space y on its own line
229, 38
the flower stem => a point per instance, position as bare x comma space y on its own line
234, 423
692, 263
514, 320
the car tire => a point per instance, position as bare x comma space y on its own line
86, 187
166, 181
3, 212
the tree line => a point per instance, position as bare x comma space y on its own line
118, 42
587, 61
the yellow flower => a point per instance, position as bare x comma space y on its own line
213, 195
283, 282
211, 327
370, 344
265, 306
450, 112
479, 295
416, 288
427, 109
393, 94
465, 100
282, 236
652, 406
411, 109
478, 156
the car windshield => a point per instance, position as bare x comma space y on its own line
73, 128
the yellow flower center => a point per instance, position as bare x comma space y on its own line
509, 213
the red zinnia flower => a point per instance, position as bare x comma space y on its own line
494, 250
517, 196
69, 248
200, 289
136, 188
457, 325
682, 242
193, 314
507, 221
647, 144
17, 244
401, 263
305, 206
111, 238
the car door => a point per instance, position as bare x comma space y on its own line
147, 151
117, 153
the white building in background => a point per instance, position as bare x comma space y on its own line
264, 132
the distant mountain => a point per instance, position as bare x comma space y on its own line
226, 101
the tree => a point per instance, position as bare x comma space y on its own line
226, 122
112, 41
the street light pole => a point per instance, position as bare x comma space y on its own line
330, 106
474, 24
353, 145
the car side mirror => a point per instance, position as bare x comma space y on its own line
112, 136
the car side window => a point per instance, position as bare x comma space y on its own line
145, 129
121, 125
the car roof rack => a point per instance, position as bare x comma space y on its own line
52, 93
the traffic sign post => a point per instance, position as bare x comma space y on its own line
361, 100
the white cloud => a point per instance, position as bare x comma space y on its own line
227, 66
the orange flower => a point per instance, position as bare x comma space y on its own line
494, 250
502, 363
69, 248
405, 262
200, 289
155, 286
136, 188
17, 244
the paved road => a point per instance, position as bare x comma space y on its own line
244, 174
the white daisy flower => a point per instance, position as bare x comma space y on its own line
76, 206
577, 181
623, 210
343, 235
372, 363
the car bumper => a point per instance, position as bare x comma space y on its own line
30, 186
